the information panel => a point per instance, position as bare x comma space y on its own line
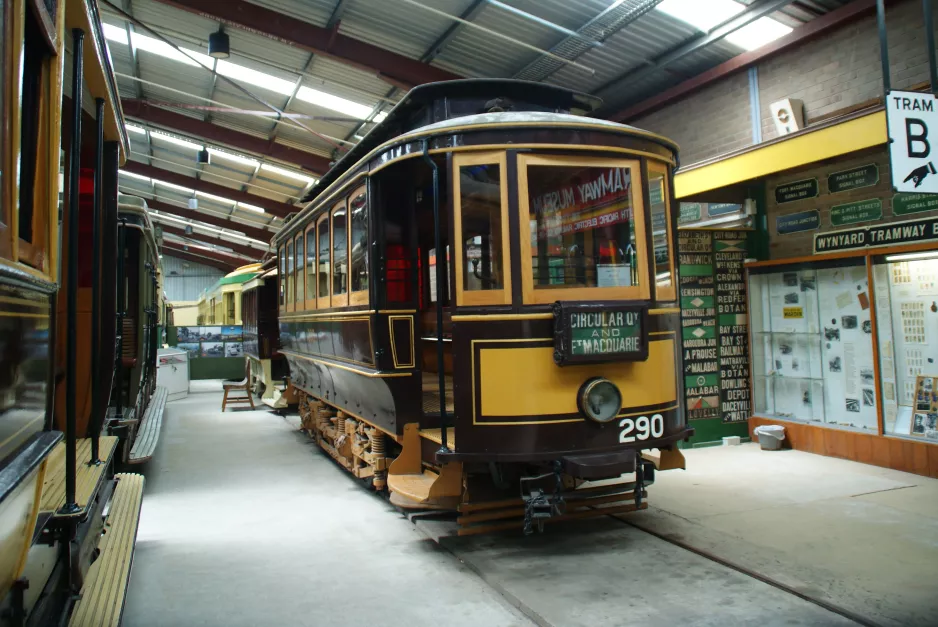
714, 324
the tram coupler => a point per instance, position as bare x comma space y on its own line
539, 505
644, 476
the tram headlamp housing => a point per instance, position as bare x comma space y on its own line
599, 400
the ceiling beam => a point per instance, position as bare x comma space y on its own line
230, 260
204, 261
752, 13
833, 20
219, 240
261, 235
146, 112
279, 209
394, 68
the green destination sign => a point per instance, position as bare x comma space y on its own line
904, 204
796, 190
853, 212
654, 195
690, 212
854, 178
591, 333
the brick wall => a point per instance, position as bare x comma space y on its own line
710, 122
829, 74
844, 68
802, 244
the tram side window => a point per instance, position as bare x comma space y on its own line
311, 264
339, 251
431, 266
661, 233
290, 282
358, 214
323, 252
481, 219
582, 227
283, 277
300, 274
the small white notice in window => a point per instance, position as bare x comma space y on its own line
613, 275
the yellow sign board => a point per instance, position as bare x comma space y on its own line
793, 312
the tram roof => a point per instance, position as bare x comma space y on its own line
434, 103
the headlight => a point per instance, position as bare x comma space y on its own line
600, 400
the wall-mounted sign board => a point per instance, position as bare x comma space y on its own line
796, 222
796, 190
913, 131
904, 204
690, 212
911, 232
859, 211
854, 178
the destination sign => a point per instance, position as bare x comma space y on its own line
914, 231
598, 333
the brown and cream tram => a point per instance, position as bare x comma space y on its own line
478, 306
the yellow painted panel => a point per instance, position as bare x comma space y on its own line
826, 143
527, 382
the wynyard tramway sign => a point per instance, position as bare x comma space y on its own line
893, 234
913, 128
599, 333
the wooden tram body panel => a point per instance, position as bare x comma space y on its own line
507, 401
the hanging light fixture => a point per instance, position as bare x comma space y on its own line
218, 45
204, 157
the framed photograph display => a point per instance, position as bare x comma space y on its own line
811, 342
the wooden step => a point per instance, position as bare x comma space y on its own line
87, 480
148, 432
101, 600
435, 435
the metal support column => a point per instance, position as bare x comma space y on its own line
97, 418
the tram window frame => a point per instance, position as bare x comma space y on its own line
282, 276
323, 301
299, 269
6, 97
543, 296
290, 276
663, 292
341, 299
311, 267
467, 297
359, 296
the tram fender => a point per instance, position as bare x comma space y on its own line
600, 465
667, 459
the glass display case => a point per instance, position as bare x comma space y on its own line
811, 343
906, 291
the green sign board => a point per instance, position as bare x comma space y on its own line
690, 212
904, 204
854, 178
859, 211
596, 333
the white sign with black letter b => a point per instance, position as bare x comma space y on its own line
913, 134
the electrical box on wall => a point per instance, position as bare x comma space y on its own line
788, 115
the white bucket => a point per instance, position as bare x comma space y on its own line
770, 436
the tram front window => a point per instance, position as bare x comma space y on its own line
582, 227
480, 190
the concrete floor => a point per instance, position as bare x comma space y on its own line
244, 523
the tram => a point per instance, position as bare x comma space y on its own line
221, 303
478, 306
70, 517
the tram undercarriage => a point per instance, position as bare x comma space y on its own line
486, 497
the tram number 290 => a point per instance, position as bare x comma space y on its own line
641, 428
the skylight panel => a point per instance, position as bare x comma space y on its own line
175, 140
179, 188
758, 33
335, 103
288, 173
219, 199
135, 176
132, 128
701, 14
247, 207
233, 157
380, 117
253, 77
115, 33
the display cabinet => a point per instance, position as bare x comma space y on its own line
811, 343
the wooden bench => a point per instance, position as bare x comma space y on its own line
101, 600
148, 431
88, 478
